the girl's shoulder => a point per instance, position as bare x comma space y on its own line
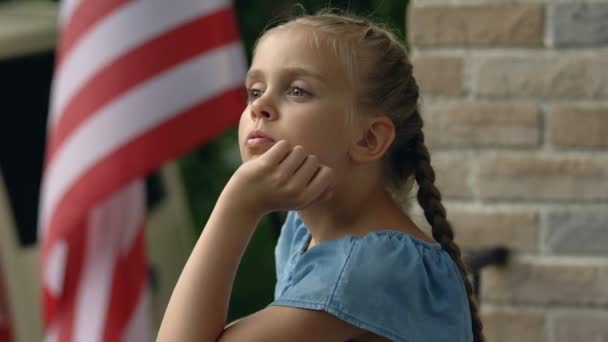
386, 282
375, 252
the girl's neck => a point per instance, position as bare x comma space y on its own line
354, 212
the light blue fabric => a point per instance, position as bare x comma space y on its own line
386, 282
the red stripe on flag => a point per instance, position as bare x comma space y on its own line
142, 155
5, 317
86, 15
143, 63
128, 283
66, 309
49, 309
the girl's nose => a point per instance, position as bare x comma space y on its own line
261, 109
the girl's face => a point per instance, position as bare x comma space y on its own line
297, 93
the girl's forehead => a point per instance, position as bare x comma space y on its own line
296, 46
285, 41
293, 42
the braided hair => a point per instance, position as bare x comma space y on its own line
381, 75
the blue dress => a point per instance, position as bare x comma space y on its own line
386, 282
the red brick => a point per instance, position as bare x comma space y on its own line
540, 75
573, 126
438, 75
516, 230
544, 281
580, 325
511, 324
471, 124
532, 177
476, 25
452, 174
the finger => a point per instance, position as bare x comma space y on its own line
276, 153
321, 189
293, 161
306, 172
324, 196
327, 194
322, 181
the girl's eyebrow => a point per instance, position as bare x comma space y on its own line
292, 71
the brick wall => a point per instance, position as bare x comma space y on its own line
515, 100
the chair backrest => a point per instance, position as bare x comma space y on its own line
21, 277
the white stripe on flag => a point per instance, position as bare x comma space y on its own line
117, 34
123, 119
122, 213
109, 245
54, 272
67, 9
52, 332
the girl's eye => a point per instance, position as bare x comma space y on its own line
253, 93
297, 91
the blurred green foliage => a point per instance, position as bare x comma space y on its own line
206, 170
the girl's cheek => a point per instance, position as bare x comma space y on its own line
243, 124
245, 117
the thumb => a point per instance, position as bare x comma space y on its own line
276, 153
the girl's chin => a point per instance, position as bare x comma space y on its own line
247, 156
256, 150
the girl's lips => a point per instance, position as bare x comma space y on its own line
259, 138
257, 146
259, 141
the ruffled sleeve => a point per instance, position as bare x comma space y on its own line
385, 282
283, 246
293, 233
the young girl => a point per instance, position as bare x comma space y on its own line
331, 132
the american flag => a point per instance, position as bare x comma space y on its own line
136, 83
5, 323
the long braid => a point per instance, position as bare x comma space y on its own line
384, 80
429, 198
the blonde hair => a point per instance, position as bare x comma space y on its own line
380, 72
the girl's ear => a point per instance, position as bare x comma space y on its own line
376, 137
